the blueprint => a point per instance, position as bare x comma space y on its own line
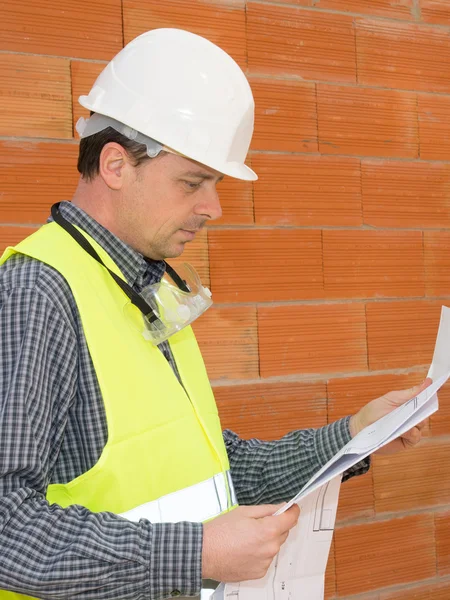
298, 571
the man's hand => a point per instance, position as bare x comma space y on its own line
380, 407
241, 544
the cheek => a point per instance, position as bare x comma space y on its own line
161, 207
177, 208
167, 216
152, 204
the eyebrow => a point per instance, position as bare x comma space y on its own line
202, 175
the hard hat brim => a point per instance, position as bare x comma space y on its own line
238, 171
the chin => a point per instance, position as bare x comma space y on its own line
175, 251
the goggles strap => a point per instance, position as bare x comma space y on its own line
178, 280
134, 297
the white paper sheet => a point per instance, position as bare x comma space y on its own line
298, 571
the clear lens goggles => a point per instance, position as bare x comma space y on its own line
176, 301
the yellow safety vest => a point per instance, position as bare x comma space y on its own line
164, 458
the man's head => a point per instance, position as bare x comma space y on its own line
173, 114
156, 205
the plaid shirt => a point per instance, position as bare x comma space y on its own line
53, 428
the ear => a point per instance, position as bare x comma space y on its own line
113, 164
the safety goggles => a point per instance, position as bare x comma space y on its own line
177, 300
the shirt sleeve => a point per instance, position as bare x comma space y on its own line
47, 551
273, 472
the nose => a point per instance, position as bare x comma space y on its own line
209, 206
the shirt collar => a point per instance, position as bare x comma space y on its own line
137, 270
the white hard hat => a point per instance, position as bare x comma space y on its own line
182, 91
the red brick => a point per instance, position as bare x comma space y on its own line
367, 122
84, 75
308, 44
82, 29
221, 21
402, 56
34, 176
262, 265
367, 264
401, 334
418, 478
435, 11
325, 338
196, 253
236, 199
307, 190
356, 498
384, 553
440, 420
228, 339
442, 526
437, 262
406, 194
10, 236
285, 115
36, 100
270, 410
400, 9
434, 126
433, 591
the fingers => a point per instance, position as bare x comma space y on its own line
412, 437
283, 537
419, 387
293, 513
286, 520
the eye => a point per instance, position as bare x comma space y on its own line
192, 185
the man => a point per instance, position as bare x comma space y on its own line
112, 453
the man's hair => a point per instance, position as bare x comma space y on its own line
91, 147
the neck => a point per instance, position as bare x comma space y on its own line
103, 204
91, 197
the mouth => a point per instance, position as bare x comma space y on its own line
189, 233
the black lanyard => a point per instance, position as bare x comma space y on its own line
134, 297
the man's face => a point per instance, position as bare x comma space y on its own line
167, 202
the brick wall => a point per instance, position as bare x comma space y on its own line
329, 272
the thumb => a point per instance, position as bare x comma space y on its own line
402, 396
262, 510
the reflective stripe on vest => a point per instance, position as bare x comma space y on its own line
199, 502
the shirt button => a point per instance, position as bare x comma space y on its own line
176, 593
